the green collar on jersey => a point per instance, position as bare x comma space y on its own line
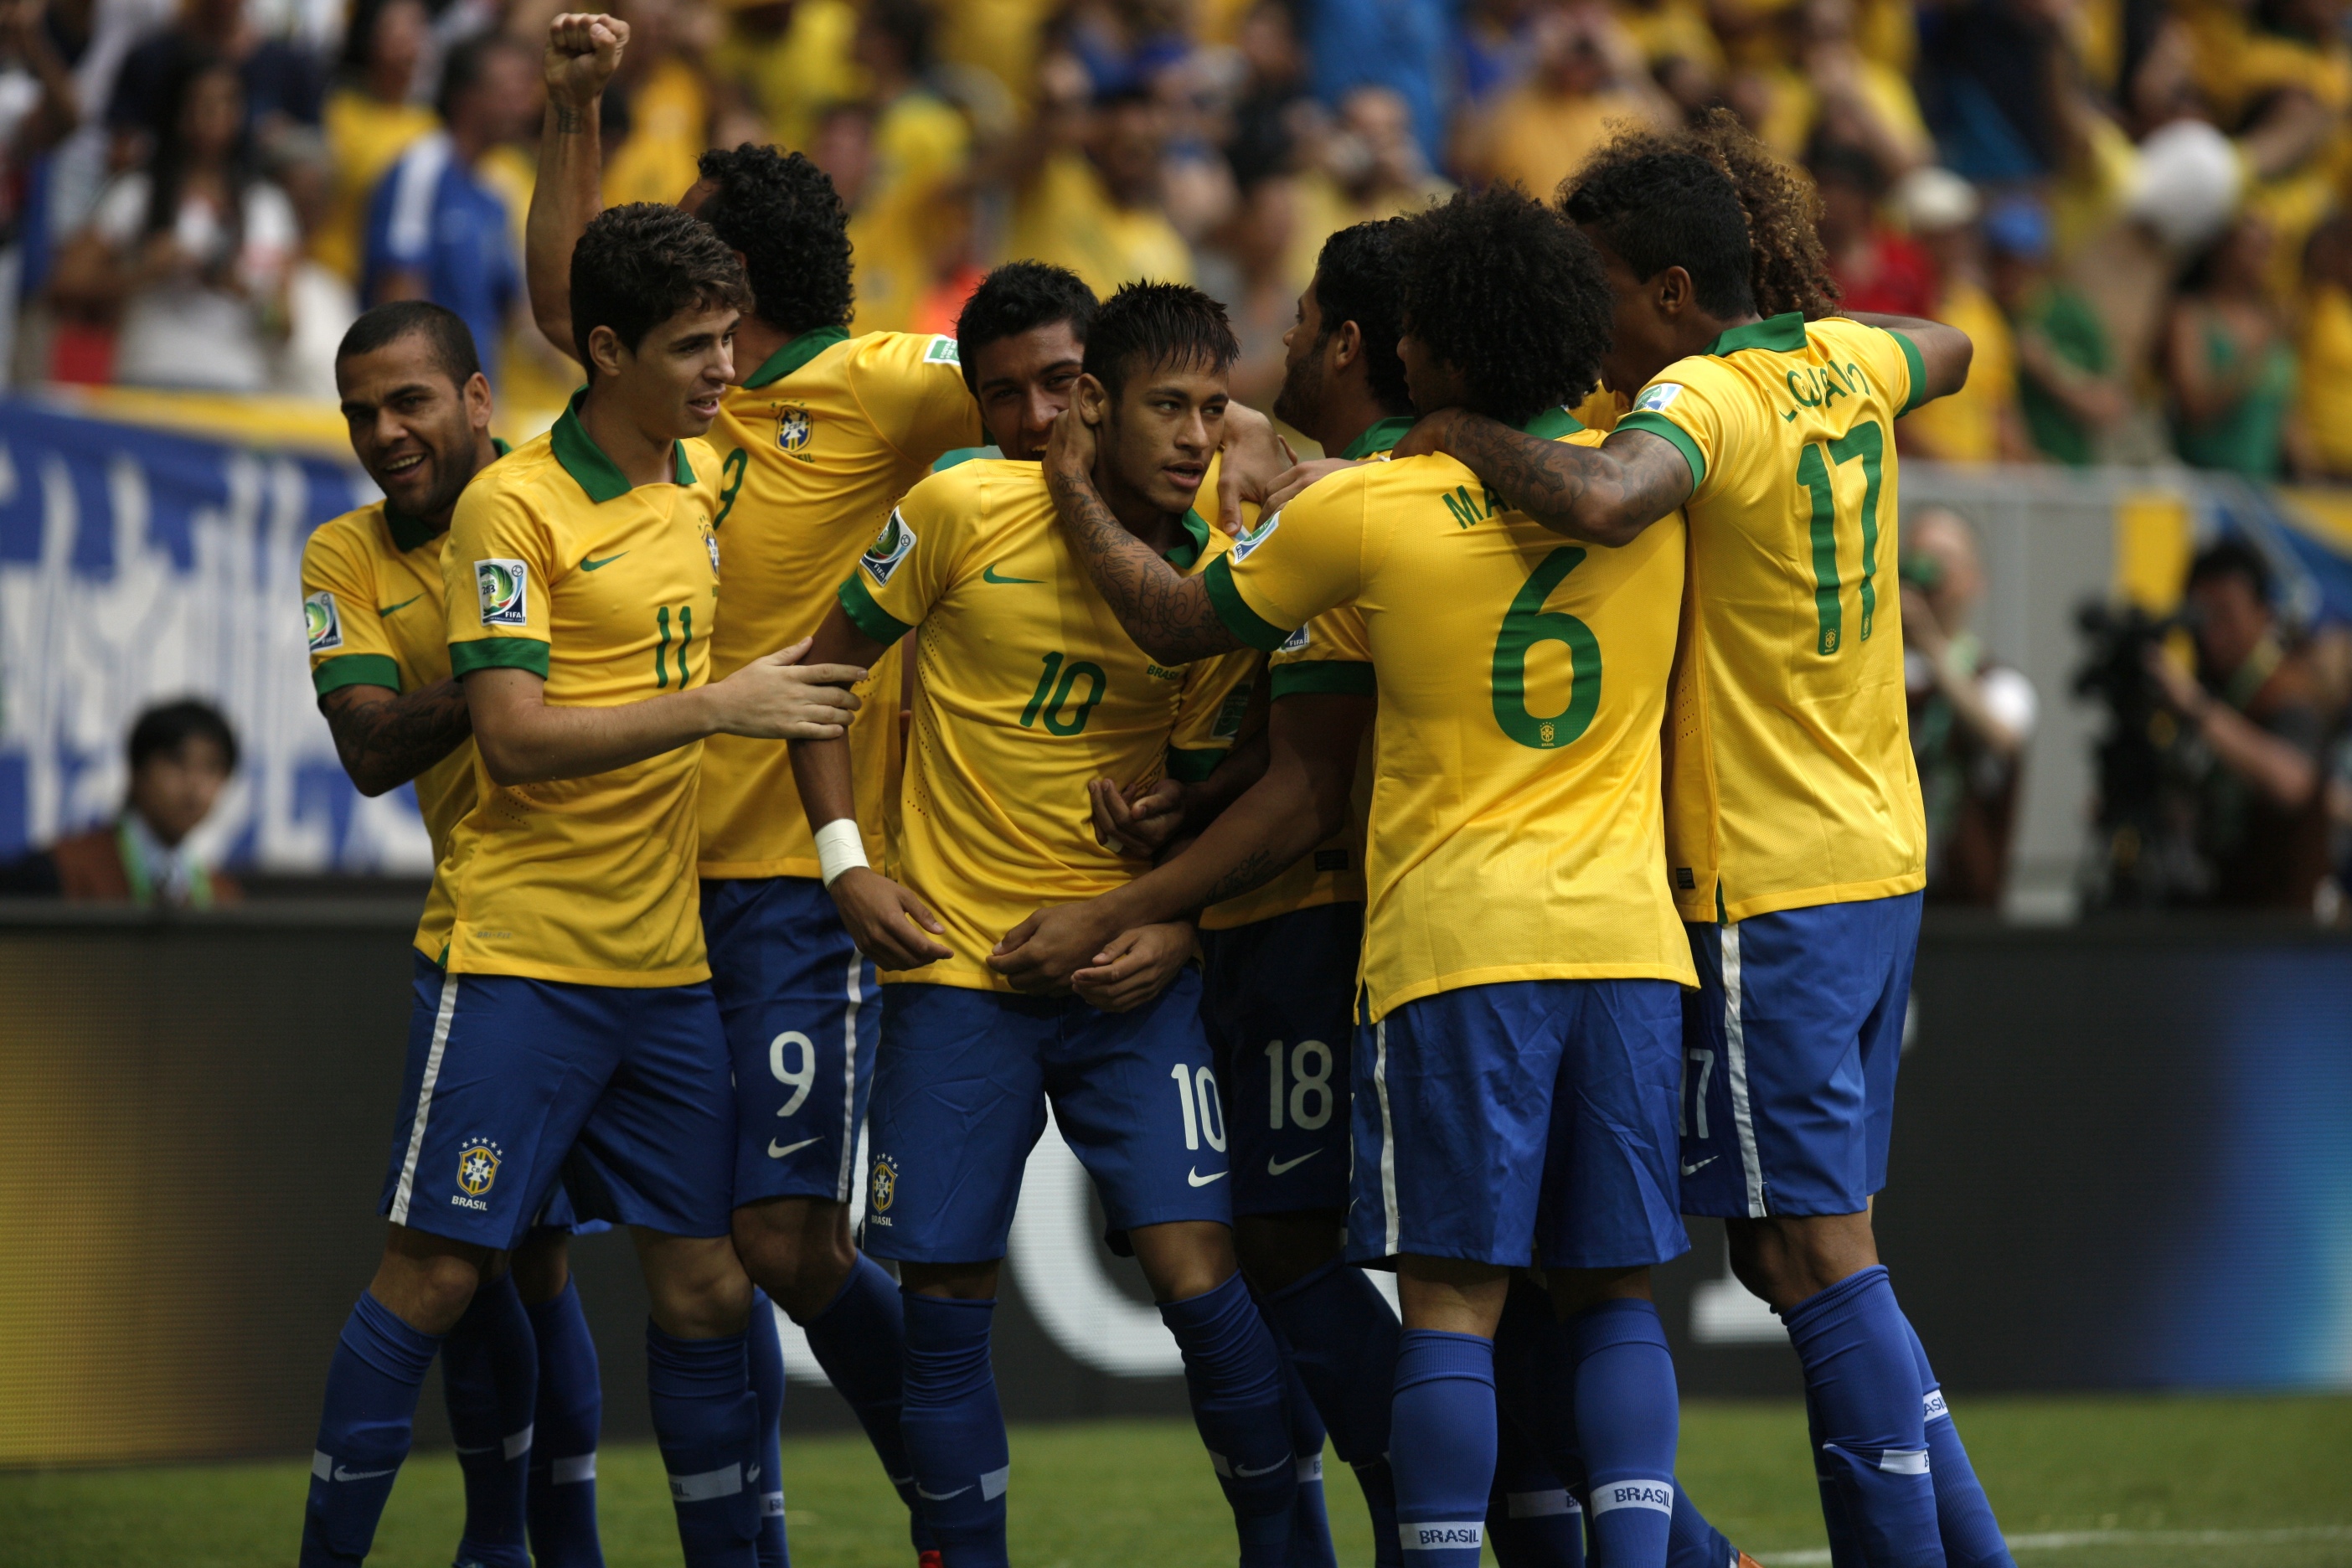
1196, 539
412, 532
1781, 334
804, 347
1379, 438
1551, 424
596, 474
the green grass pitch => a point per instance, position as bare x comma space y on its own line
2094, 1482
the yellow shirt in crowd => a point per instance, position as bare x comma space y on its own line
669, 122
920, 146
2326, 359
1066, 216
817, 446
1028, 688
1516, 831
1790, 779
1539, 138
365, 136
1966, 427
556, 565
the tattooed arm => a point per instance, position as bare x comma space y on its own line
583, 53
1168, 614
386, 737
1302, 799
1602, 495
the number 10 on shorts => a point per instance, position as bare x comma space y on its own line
1200, 1086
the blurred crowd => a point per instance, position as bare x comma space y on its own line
2135, 207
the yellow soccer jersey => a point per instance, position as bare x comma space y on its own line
817, 445
1028, 688
1326, 654
1516, 831
1789, 776
554, 564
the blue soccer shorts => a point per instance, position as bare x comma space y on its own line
621, 1093
1790, 1047
803, 1016
960, 1094
1527, 1122
1278, 1002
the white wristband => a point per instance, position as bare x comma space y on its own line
839, 846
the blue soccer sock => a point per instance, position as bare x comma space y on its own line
766, 1359
1234, 1376
1343, 1342
954, 1428
1627, 1420
1964, 1518
1442, 1446
570, 1413
1531, 1519
860, 1340
1311, 1526
363, 1432
489, 1376
1872, 1442
707, 1421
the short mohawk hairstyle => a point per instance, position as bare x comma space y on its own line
637, 266
1506, 290
1149, 325
782, 212
1711, 200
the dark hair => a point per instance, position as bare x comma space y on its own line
1712, 201
907, 24
1843, 163
1507, 292
163, 730
639, 265
2233, 558
1360, 278
466, 64
1020, 297
1149, 325
782, 212
167, 176
443, 330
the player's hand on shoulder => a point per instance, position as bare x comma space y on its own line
1139, 821
886, 920
1252, 458
1135, 966
1429, 434
1296, 478
1041, 952
780, 698
584, 50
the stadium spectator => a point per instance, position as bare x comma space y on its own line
899, 228
193, 251
283, 81
1369, 167
2322, 431
2069, 386
657, 112
1971, 716
1876, 269
1588, 76
40, 104
1092, 202
2227, 358
1979, 422
438, 229
1249, 269
1396, 43
1830, 93
370, 118
2257, 729
180, 755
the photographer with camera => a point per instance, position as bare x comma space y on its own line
2256, 724
1970, 716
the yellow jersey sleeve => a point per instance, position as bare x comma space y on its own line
348, 645
498, 576
1331, 653
1209, 716
913, 561
910, 385
1302, 561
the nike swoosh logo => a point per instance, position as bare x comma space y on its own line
589, 565
1199, 1180
778, 1153
343, 1475
1244, 1471
990, 576
387, 609
1275, 1167
938, 1497
468, 1453
1703, 1164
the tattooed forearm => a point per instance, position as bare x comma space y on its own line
1168, 614
1256, 868
1603, 494
385, 741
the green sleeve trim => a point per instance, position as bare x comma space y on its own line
1918, 372
1234, 612
355, 669
498, 653
1334, 677
1658, 424
1192, 765
869, 616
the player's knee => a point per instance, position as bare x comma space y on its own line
425, 1286
798, 1252
1184, 1258
1279, 1250
694, 1286
952, 1281
542, 1267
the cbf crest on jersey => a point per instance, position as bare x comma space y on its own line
793, 428
324, 627
882, 557
505, 590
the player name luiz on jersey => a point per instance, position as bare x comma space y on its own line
1028, 688
1516, 828
1790, 778
815, 447
557, 566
